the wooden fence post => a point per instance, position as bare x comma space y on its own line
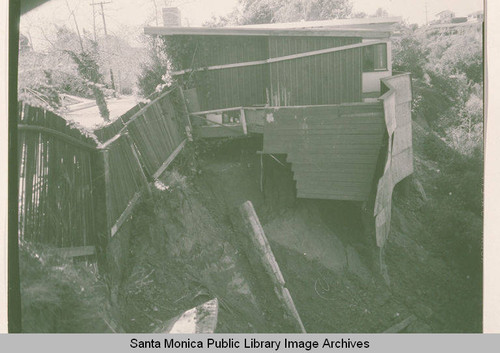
243, 121
265, 256
107, 186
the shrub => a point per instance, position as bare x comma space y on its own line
58, 295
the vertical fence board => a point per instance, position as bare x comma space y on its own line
55, 198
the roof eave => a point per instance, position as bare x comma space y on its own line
323, 32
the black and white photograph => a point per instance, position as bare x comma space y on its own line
248, 166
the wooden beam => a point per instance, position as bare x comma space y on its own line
169, 160
61, 135
74, 251
243, 121
280, 58
213, 111
261, 247
266, 32
107, 188
135, 152
124, 216
218, 131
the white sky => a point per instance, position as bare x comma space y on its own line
127, 17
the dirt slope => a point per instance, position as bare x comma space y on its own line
188, 248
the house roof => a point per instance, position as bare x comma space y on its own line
365, 28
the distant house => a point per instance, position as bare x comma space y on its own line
477, 16
445, 16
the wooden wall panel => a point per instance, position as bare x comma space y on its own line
333, 149
330, 78
323, 79
399, 163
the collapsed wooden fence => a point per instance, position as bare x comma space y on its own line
137, 148
73, 188
57, 181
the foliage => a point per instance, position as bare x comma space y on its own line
410, 55
89, 71
153, 71
456, 54
454, 216
447, 82
275, 11
58, 295
64, 67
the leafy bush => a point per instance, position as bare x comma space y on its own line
58, 295
410, 55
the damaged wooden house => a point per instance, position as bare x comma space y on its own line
322, 93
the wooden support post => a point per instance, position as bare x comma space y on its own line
265, 256
185, 110
261, 173
243, 121
107, 186
169, 160
383, 267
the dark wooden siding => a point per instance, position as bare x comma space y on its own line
321, 79
231, 87
58, 182
333, 149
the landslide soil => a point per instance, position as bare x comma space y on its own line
185, 249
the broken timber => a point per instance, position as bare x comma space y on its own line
266, 257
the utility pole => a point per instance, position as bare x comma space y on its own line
93, 4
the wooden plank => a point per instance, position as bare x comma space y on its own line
283, 123
330, 130
124, 216
327, 140
108, 186
331, 196
213, 111
265, 254
340, 167
61, 135
218, 131
327, 177
337, 186
74, 251
279, 59
243, 121
169, 160
332, 159
258, 32
139, 163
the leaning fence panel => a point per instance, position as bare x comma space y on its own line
56, 181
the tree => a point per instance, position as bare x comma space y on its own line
275, 11
89, 71
409, 54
